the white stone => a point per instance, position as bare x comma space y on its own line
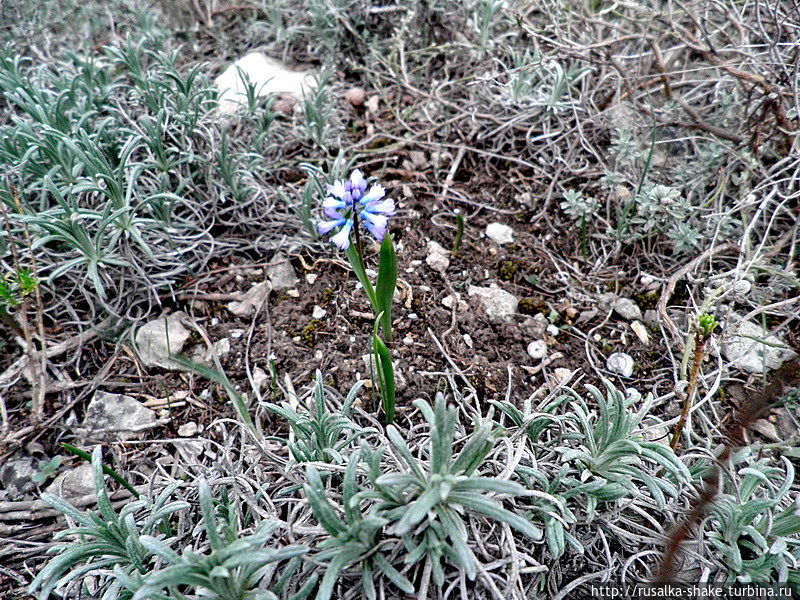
115, 416
269, 76
537, 349
641, 332
311, 278
260, 378
499, 233
562, 375
318, 312
455, 300
743, 347
251, 301
281, 273
188, 429
437, 257
627, 309
468, 340
620, 363
498, 303
160, 339
552, 330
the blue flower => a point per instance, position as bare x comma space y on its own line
348, 199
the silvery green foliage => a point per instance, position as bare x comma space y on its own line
321, 435
232, 569
134, 545
578, 206
354, 539
754, 524
426, 503
107, 539
610, 457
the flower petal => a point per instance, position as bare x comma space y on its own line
376, 192
357, 178
384, 207
331, 206
375, 224
337, 189
342, 239
326, 226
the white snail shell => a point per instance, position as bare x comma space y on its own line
621, 363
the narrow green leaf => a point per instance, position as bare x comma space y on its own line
386, 284
385, 372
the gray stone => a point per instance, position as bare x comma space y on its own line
499, 233
16, 476
281, 273
74, 483
160, 339
650, 317
749, 348
437, 257
251, 300
627, 309
498, 303
114, 416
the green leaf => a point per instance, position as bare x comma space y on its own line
386, 284
385, 372
358, 267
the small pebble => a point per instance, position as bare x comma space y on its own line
425, 288
355, 96
293, 293
311, 277
537, 349
641, 332
468, 341
646, 279
236, 333
408, 341
562, 374
552, 330
318, 312
188, 429
499, 233
413, 316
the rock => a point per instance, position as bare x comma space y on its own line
537, 349
620, 363
651, 317
311, 278
455, 300
605, 302
16, 476
284, 107
160, 339
627, 309
269, 76
499, 233
114, 416
749, 348
188, 429
552, 330
318, 312
281, 273
767, 429
535, 326
562, 375
498, 303
641, 332
251, 301
418, 159
74, 483
260, 378
355, 96
437, 257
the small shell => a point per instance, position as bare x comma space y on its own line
537, 349
621, 363
742, 287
